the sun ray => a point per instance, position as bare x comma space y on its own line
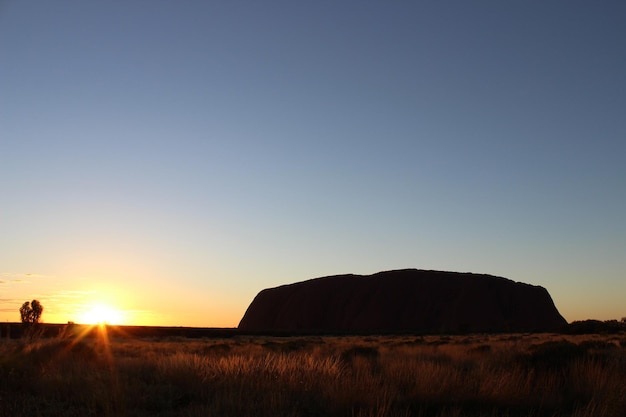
102, 314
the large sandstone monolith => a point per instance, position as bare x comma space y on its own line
407, 300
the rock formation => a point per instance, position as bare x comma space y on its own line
404, 301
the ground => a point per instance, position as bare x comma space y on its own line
106, 374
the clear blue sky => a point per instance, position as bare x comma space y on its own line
173, 158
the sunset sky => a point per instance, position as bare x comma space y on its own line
170, 159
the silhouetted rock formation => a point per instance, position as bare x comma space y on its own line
404, 301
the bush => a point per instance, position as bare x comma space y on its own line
595, 327
554, 354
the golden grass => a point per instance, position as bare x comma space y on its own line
439, 376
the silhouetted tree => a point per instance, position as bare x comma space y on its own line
30, 313
594, 327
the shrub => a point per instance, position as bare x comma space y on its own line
595, 327
554, 354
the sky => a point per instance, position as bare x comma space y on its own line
170, 159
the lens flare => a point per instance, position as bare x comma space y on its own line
102, 314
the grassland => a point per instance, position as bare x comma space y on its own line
441, 376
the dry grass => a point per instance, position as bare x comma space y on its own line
439, 376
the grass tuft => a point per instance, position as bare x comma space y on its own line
429, 376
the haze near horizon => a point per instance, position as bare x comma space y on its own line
166, 161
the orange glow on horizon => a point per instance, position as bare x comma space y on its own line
102, 314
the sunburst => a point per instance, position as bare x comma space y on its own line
102, 314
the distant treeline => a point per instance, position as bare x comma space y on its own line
16, 330
595, 327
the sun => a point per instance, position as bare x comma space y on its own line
102, 314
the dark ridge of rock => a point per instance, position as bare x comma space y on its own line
407, 300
